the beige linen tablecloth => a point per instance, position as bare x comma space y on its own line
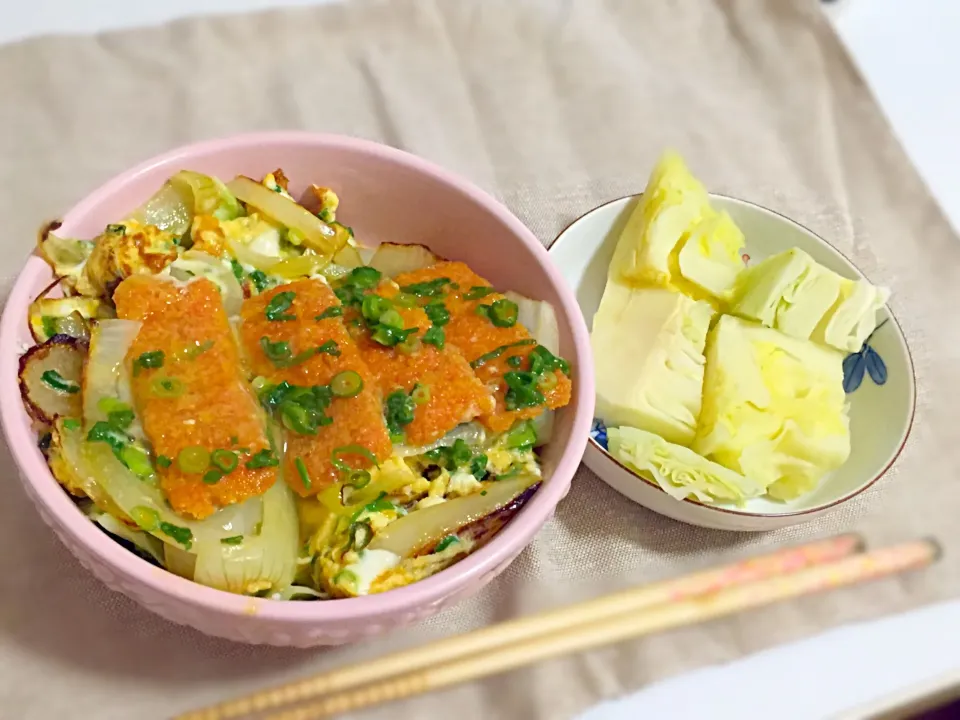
553, 106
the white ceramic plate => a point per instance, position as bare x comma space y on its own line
880, 414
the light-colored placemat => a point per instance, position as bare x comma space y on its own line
554, 106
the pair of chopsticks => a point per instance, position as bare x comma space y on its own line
691, 599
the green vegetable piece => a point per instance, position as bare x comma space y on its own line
302, 472
365, 277
389, 336
276, 309
547, 382
477, 292
137, 461
503, 313
108, 433
522, 391
225, 460
346, 384
374, 306
435, 336
334, 311
152, 360
50, 325
298, 419
55, 380
260, 280
164, 461
542, 360
212, 476
460, 453
262, 459
276, 351
392, 319
399, 411
182, 535
72, 424
336, 457
429, 288
167, 387
478, 467
194, 459
232, 540
237, 269
438, 313
521, 436
330, 347
497, 352
146, 518
358, 479
445, 543
420, 394
404, 300
360, 534
514, 361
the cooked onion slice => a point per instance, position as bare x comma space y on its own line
423, 528
392, 259
65, 316
51, 377
324, 239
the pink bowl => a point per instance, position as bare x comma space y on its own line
386, 195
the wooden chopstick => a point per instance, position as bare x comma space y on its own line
529, 628
587, 633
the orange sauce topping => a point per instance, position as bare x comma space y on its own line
474, 335
357, 420
215, 409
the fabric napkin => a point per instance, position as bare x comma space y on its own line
554, 107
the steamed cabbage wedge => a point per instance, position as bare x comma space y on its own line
648, 344
793, 293
678, 470
774, 408
674, 239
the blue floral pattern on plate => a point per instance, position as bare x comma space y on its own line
867, 361
598, 431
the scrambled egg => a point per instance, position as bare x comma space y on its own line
122, 251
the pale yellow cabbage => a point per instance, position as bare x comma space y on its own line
681, 472
648, 348
674, 239
793, 293
774, 408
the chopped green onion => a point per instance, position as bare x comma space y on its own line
194, 459
542, 360
107, 433
360, 534
438, 313
302, 472
225, 460
477, 292
389, 336
346, 577
212, 476
59, 383
199, 348
522, 436
146, 518
72, 424
276, 351
346, 384
420, 394
435, 336
405, 300
548, 381
381, 504
137, 461
515, 361
358, 479
298, 419
182, 535
445, 543
374, 306
364, 277
262, 459
163, 461
232, 540
237, 269
118, 413
260, 280
522, 391
429, 288
410, 346
399, 411
167, 387
336, 457
276, 309
333, 311
152, 359
50, 325
503, 313
391, 318
398, 438
497, 352
460, 453
478, 466
330, 347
